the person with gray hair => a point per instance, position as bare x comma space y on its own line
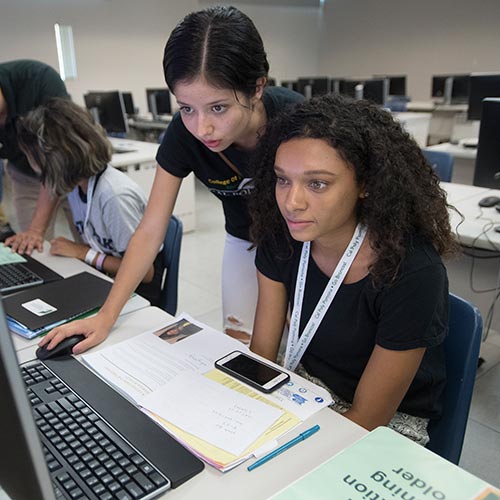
70, 152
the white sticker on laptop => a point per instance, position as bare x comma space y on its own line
39, 307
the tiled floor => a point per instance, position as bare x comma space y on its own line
200, 296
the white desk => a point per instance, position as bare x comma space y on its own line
336, 432
140, 165
476, 230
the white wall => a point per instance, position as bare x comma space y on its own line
418, 38
119, 43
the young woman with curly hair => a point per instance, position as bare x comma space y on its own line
350, 223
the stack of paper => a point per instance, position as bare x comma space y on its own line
221, 420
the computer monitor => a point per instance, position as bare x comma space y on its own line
441, 88
289, 84
271, 82
108, 109
23, 470
482, 86
487, 170
348, 87
460, 89
376, 90
158, 102
128, 101
397, 84
313, 86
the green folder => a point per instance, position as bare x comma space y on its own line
384, 465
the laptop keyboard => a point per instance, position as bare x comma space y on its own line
17, 276
85, 456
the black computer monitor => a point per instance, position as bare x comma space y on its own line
108, 109
439, 83
482, 86
397, 84
289, 84
158, 102
348, 87
376, 90
313, 86
23, 470
271, 82
460, 89
487, 170
128, 101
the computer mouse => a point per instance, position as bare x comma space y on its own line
489, 201
64, 348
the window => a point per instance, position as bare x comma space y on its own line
65, 51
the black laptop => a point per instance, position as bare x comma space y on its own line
66, 434
20, 275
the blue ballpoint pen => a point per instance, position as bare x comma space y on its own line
284, 447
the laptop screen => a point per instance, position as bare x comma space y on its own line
23, 471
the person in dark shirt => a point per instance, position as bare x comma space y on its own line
217, 69
24, 85
350, 223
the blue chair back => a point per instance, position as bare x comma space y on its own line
461, 356
171, 256
441, 162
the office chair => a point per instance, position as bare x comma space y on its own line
441, 162
171, 255
461, 354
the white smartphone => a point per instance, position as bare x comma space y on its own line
252, 371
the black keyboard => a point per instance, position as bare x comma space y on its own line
86, 457
17, 276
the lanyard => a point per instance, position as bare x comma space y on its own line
86, 232
296, 347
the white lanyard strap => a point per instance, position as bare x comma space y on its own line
296, 347
86, 229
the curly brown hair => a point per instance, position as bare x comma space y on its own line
404, 197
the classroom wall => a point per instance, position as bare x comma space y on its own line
419, 38
119, 43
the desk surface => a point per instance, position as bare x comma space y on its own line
336, 431
141, 152
477, 227
455, 150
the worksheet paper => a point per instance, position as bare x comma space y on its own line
212, 412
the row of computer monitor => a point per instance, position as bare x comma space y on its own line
468, 89
111, 109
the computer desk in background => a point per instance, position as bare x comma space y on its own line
140, 165
479, 239
336, 433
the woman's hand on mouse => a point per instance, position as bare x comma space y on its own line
95, 330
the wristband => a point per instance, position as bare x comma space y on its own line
100, 261
90, 256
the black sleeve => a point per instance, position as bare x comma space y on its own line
267, 263
174, 154
414, 311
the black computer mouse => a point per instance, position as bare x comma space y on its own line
489, 201
64, 348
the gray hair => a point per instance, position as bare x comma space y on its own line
63, 141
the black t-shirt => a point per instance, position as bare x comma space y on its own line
411, 313
25, 85
180, 153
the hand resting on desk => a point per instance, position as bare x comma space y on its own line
26, 242
95, 330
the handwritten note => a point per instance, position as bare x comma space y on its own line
210, 411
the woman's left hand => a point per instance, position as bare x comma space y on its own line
67, 248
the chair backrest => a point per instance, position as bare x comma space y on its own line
171, 256
441, 162
461, 357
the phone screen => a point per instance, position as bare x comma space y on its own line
251, 369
